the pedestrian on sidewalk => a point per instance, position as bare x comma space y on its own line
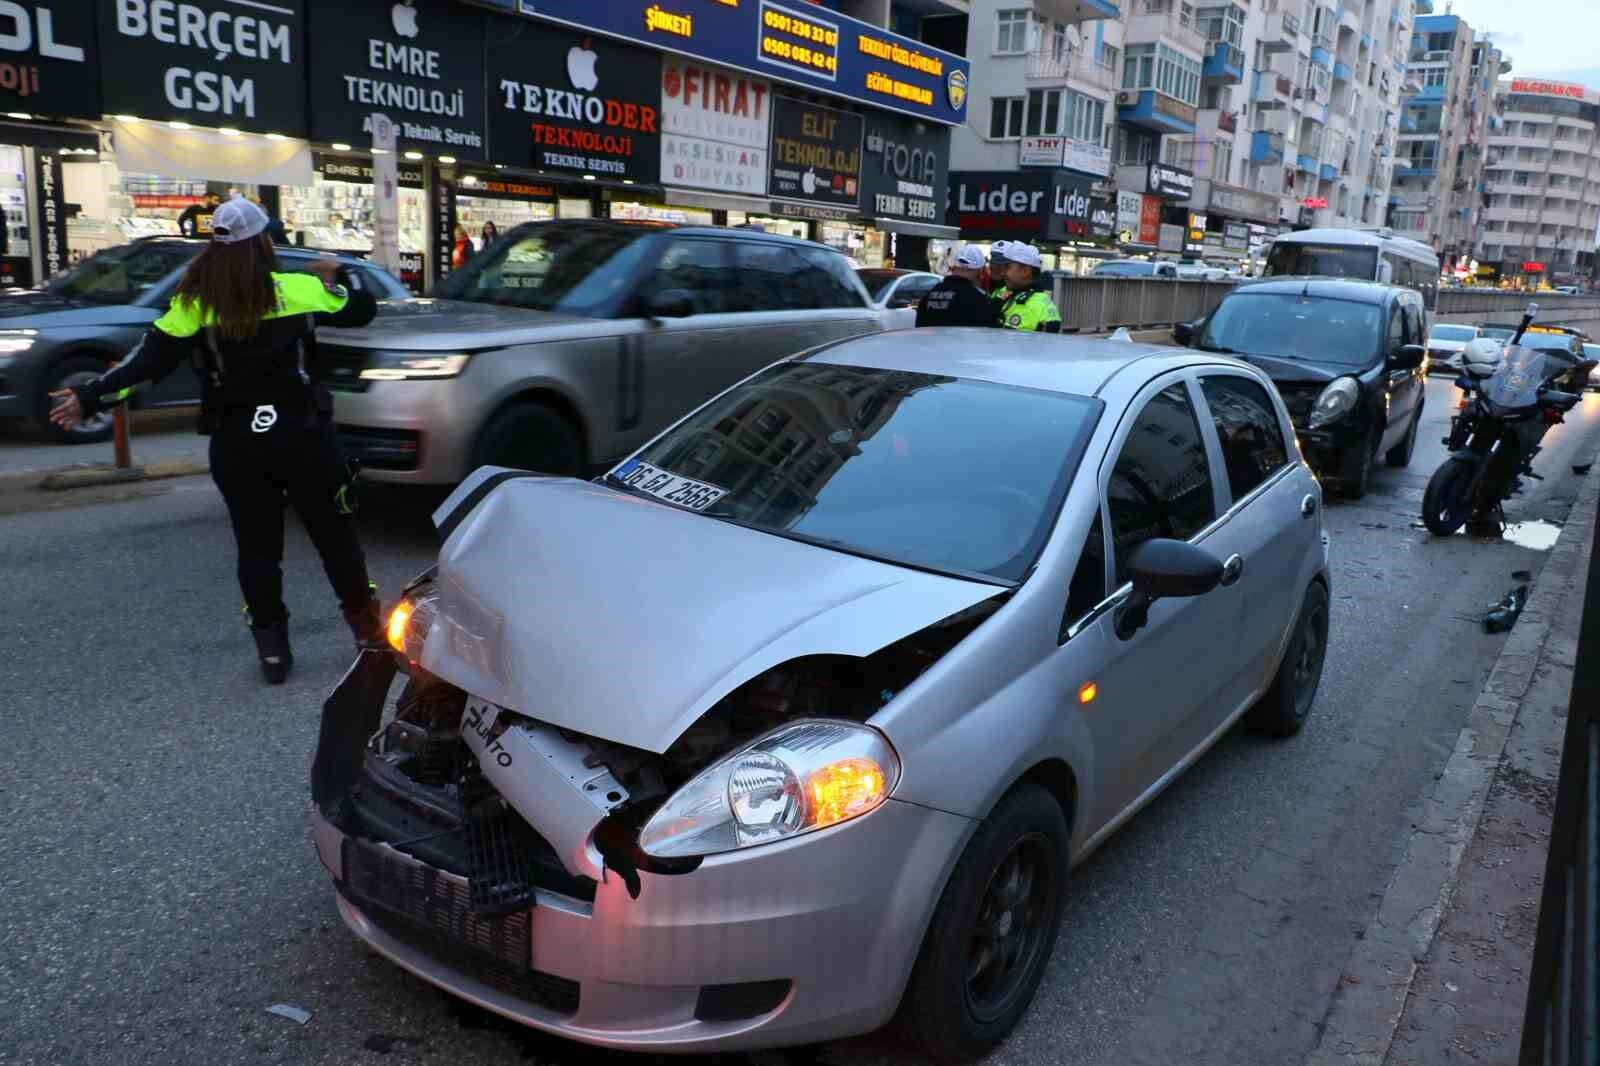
957, 300
1028, 306
249, 329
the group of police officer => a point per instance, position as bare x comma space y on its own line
1016, 301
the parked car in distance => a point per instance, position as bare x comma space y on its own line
1201, 272
1568, 346
878, 682
1592, 351
569, 343
1135, 268
1568, 290
1445, 342
898, 292
1347, 357
83, 321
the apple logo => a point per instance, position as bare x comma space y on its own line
580, 66
808, 182
404, 17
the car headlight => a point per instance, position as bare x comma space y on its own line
401, 366
16, 341
804, 776
411, 619
1334, 402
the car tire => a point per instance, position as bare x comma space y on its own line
1355, 469
75, 370
531, 436
1286, 706
1017, 857
1400, 454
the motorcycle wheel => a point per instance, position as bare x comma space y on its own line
1447, 503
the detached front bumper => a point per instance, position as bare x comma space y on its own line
811, 939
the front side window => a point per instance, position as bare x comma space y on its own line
580, 269
1161, 484
1248, 429
121, 274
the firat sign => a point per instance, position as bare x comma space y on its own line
1548, 88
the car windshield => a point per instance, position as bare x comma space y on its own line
1499, 333
924, 470
577, 269
122, 274
1326, 260
1291, 326
1562, 342
1452, 333
1124, 270
877, 281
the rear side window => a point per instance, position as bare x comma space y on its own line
1248, 429
698, 268
769, 278
830, 279
1161, 484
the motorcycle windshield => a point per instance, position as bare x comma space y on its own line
1516, 383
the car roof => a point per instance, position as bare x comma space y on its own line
1358, 237
740, 233
279, 249
1079, 366
1328, 288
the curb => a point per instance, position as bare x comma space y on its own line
1367, 1006
89, 476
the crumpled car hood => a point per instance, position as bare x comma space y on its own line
625, 619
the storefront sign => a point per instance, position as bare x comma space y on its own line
52, 214
208, 62
16, 272
1072, 209
1549, 88
1128, 205
1087, 156
1149, 219
1244, 203
816, 154
1173, 183
905, 169
442, 210
571, 102
1102, 218
1532, 268
1194, 240
1235, 236
1315, 203
821, 212
385, 195
1170, 238
715, 125
497, 188
421, 62
47, 59
1042, 151
359, 171
1034, 205
791, 41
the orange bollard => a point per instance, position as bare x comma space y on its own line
119, 435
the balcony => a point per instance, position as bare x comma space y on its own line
1266, 146
1406, 169
1155, 111
1152, 21
1366, 41
1271, 89
1322, 53
1342, 72
1227, 122
1306, 164
1329, 172
1224, 64
1282, 33
1078, 10
1433, 94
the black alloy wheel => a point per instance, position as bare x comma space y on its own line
1010, 931
1447, 502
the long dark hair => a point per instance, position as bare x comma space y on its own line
230, 286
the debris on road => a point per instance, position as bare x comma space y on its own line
383, 1043
1503, 615
294, 1014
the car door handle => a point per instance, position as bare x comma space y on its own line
1232, 569
1308, 506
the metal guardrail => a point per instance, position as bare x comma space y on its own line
1103, 304
1561, 1025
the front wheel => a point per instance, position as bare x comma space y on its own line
992, 934
77, 370
1447, 503
1400, 454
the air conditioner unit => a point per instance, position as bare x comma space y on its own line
1124, 97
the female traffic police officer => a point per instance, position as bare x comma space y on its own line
1027, 306
247, 328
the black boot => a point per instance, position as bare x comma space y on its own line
366, 624
272, 644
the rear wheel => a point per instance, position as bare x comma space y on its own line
992, 934
1447, 503
1400, 454
1286, 706
531, 436
76, 370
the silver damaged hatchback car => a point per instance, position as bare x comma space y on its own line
797, 719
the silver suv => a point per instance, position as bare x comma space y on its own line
566, 345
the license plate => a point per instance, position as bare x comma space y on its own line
665, 485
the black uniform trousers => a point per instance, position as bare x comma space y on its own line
294, 461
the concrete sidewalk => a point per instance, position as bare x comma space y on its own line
1441, 974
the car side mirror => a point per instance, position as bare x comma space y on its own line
670, 303
1408, 357
1183, 333
1165, 569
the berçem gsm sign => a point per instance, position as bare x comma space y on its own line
1043, 205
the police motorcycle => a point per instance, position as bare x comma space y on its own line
1511, 398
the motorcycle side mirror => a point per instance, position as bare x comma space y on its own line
1408, 357
1164, 569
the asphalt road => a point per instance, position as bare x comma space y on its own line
161, 891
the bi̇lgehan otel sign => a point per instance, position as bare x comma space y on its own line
418, 61
565, 101
48, 62
791, 41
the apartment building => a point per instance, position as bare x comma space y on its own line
1445, 116
1542, 181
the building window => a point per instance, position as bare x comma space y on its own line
1222, 24
1109, 56
1435, 76
1138, 69
1011, 30
1044, 112
1005, 117
1058, 41
1135, 146
1151, 66
1084, 119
